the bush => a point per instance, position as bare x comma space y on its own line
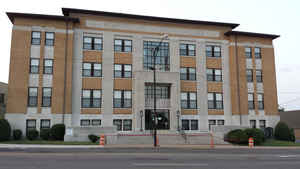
257, 134
282, 132
93, 138
5, 130
45, 134
57, 131
293, 138
237, 136
32, 134
17, 134
268, 132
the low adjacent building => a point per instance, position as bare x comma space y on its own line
3, 97
292, 119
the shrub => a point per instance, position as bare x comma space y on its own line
32, 134
45, 134
237, 136
282, 132
57, 131
5, 130
268, 132
257, 134
17, 134
293, 138
93, 138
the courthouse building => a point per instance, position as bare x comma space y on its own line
95, 69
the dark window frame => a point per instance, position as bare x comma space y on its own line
53, 40
82, 120
188, 101
248, 54
261, 103
123, 71
259, 78
31, 66
189, 76
251, 103
213, 51
257, 54
186, 51
162, 57
122, 126
123, 99
162, 91
93, 44
45, 67
92, 70
30, 128
96, 120
41, 124
215, 102
123, 46
264, 124
46, 97
254, 126
91, 98
2, 98
214, 77
32, 97
249, 76
32, 38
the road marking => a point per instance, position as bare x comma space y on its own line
287, 156
169, 164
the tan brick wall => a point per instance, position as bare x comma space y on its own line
92, 56
188, 86
40, 22
189, 112
122, 84
215, 87
269, 81
19, 71
187, 61
91, 83
214, 63
90, 111
215, 112
122, 111
123, 58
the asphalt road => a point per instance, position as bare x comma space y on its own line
140, 158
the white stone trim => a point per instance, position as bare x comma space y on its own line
248, 44
42, 29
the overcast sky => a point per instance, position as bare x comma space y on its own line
265, 16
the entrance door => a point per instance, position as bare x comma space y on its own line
163, 119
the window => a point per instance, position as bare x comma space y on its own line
162, 91
92, 43
30, 124
211, 123
123, 125
214, 75
257, 53
122, 99
49, 41
32, 96
92, 70
122, 71
85, 122
45, 124
249, 75
248, 52
122, 45
215, 100
36, 38
213, 51
260, 98
187, 50
253, 123
48, 66
259, 76
2, 98
91, 99
189, 124
96, 122
47, 94
188, 100
34, 65
262, 124
251, 105
221, 122
162, 57
187, 73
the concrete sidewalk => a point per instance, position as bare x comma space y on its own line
42, 146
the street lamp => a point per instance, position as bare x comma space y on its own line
178, 116
154, 54
141, 115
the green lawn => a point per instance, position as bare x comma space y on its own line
273, 142
48, 142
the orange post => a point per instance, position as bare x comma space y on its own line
251, 142
102, 140
212, 145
